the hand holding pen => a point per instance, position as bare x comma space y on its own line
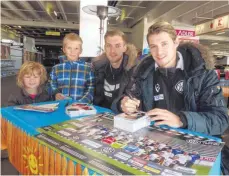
129, 104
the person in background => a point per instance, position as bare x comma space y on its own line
113, 69
73, 78
30, 79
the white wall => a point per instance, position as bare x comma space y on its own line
90, 29
136, 37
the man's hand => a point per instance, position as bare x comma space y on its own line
59, 96
129, 105
165, 117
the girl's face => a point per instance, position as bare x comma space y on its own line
32, 81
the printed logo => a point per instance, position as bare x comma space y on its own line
107, 150
158, 97
109, 87
179, 86
157, 87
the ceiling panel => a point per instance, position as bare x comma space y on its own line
42, 13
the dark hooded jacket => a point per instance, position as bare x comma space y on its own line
205, 109
22, 97
100, 67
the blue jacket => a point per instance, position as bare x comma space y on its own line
205, 109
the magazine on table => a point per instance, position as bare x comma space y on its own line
38, 108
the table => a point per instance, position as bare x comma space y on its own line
18, 130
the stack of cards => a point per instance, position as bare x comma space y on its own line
80, 109
131, 122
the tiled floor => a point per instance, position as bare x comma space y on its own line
7, 168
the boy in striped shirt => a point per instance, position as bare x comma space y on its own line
72, 78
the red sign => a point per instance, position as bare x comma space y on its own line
186, 33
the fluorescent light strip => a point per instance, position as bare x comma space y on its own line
55, 13
219, 33
214, 43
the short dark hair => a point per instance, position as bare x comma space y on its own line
116, 33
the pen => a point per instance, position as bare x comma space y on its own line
130, 96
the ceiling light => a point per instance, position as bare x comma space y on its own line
55, 13
219, 33
6, 41
214, 43
64, 29
19, 26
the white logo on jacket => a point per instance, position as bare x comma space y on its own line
157, 87
179, 86
109, 88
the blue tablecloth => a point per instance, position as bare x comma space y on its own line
29, 121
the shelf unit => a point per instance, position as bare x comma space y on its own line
8, 67
11, 60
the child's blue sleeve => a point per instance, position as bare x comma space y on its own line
53, 82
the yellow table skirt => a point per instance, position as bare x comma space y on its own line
30, 157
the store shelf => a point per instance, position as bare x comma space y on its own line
7, 67
9, 73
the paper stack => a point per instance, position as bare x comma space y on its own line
38, 108
80, 109
131, 122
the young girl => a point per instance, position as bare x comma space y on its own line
30, 79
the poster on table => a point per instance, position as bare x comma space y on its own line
151, 150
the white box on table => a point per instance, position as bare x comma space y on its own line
80, 109
131, 122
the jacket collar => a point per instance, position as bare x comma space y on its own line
25, 93
179, 64
65, 60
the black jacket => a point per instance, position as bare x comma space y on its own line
99, 68
23, 97
205, 109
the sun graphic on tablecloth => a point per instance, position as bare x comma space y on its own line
32, 160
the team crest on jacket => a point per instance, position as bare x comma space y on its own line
179, 86
157, 87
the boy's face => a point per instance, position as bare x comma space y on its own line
114, 48
163, 49
32, 81
72, 50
